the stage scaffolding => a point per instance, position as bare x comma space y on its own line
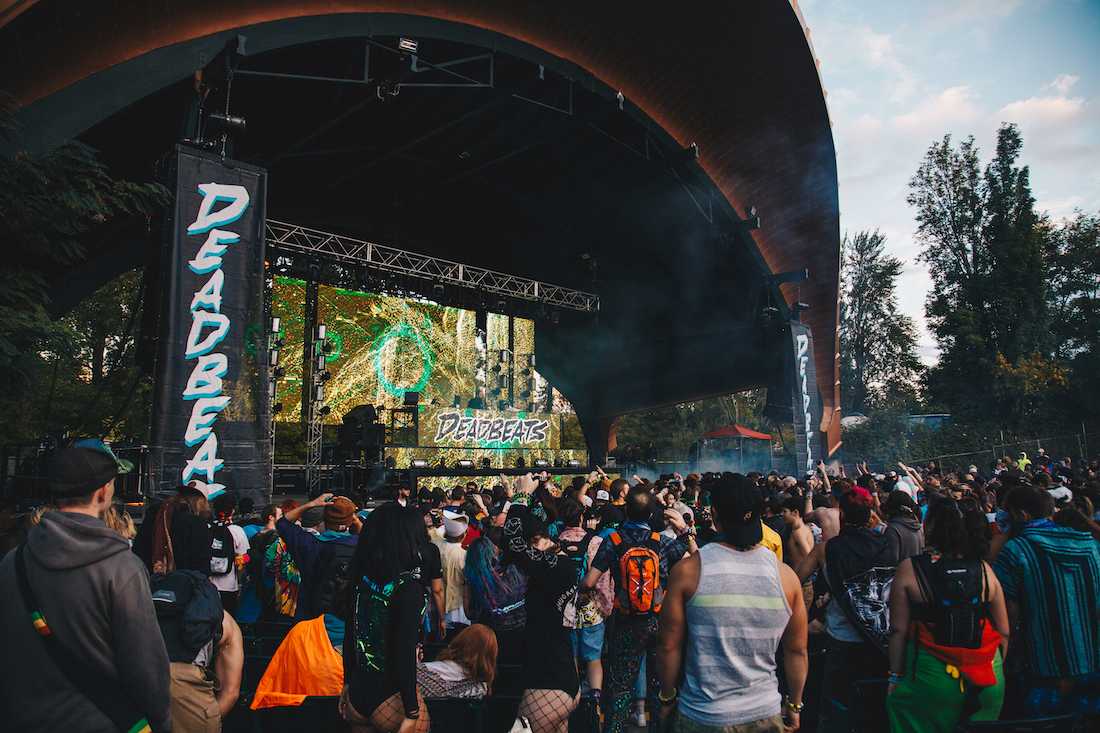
351, 251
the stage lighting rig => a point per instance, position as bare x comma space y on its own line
542, 463
486, 463
419, 463
464, 463
573, 463
408, 45
388, 88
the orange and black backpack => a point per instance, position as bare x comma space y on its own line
638, 590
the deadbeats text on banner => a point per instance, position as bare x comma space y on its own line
806, 399
212, 411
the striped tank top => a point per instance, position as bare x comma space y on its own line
734, 623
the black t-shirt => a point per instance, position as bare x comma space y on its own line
433, 565
551, 584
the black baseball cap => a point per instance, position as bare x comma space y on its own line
738, 502
83, 467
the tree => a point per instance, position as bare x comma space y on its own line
879, 366
1074, 308
51, 205
987, 252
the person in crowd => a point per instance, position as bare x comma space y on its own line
727, 609
850, 656
592, 610
119, 520
634, 632
495, 596
903, 528
81, 640
548, 670
230, 540
827, 517
453, 560
280, 566
321, 558
386, 609
800, 542
464, 670
181, 536
1051, 580
948, 628
205, 650
309, 661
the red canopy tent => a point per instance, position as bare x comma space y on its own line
736, 431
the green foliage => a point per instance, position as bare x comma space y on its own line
1000, 271
668, 432
879, 367
73, 373
50, 204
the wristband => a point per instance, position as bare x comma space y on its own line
894, 678
793, 707
670, 699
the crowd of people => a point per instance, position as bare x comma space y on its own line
678, 603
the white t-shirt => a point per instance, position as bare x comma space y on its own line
230, 582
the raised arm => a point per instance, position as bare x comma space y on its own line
682, 584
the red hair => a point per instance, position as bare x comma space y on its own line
475, 650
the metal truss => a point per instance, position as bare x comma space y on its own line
294, 238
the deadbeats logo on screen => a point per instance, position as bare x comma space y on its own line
209, 327
456, 427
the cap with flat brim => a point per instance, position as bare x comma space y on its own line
124, 466
76, 472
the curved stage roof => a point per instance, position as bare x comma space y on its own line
525, 176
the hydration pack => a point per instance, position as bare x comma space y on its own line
189, 612
222, 553
639, 588
576, 555
954, 591
334, 563
373, 602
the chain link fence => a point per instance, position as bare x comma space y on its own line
1076, 446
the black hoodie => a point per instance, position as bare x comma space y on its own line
95, 596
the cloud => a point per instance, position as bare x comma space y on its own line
1062, 84
1043, 112
957, 12
939, 113
859, 48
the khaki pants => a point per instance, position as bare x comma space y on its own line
194, 707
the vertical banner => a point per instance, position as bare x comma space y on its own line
807, 400
212, 410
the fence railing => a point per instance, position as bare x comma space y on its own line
1076, 446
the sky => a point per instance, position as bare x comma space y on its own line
899, 74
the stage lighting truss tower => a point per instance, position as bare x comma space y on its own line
293, 238
274, 344
317, 412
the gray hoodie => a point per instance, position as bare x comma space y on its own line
95, 596
906, 535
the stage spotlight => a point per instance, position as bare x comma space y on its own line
279, 373
218, 122
388, 88
321, 331
621, 99
486, 463
408, 45
573, 463
465, 463
274, 357
320, 363
277, 408
319, 393
271, 389
275, 324
752, 221
324, 376
520, 463
542, 463
324, 411
419, 463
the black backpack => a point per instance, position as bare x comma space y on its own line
333, 567
955, 595
189, 612
222, 553
576, 553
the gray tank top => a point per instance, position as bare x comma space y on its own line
734, 623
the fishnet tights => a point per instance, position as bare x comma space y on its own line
547, 710
387, 717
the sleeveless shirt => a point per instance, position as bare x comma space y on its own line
734, 623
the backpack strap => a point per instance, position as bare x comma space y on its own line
616, 538
654, 542
90, 684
